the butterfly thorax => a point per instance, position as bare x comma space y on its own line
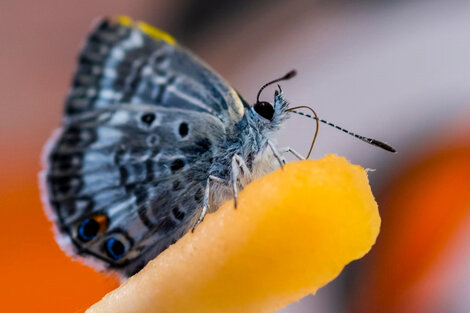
248, 140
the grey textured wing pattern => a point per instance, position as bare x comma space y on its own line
123, 64
126, 174
141, 167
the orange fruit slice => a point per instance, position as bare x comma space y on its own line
293, 231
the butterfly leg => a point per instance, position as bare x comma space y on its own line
295, 153
276, 153
239, 167
205, 201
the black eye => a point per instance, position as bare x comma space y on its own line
115, 248
265, 109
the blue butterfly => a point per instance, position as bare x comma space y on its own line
152, 140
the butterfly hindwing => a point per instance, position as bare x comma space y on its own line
138, 169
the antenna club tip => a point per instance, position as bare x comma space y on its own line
383, 145
390, 148
290, 75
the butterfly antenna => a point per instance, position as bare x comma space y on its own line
371, 141
285, 77
315, 118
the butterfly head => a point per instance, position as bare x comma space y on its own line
272, 114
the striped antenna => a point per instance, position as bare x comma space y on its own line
371, 141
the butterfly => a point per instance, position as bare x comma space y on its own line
152, 140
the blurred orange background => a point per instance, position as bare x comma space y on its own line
397, 71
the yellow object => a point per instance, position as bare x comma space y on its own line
155, 33
124, 20
293, 231
150, 30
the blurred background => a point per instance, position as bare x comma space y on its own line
396, 70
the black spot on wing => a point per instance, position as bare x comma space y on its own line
204, 144
88, 229
115, 249
178, 213
148, 118
183, 129
176, 165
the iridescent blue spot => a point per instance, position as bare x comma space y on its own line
115, 248
88, 229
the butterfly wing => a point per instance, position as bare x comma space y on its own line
125, 175
132, 175
125, 62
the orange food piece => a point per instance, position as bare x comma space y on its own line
293, 231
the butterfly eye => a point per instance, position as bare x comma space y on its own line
115, 248
264, 109
89, 228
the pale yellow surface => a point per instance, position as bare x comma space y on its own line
293, 231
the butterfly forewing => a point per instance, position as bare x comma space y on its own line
123, 64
